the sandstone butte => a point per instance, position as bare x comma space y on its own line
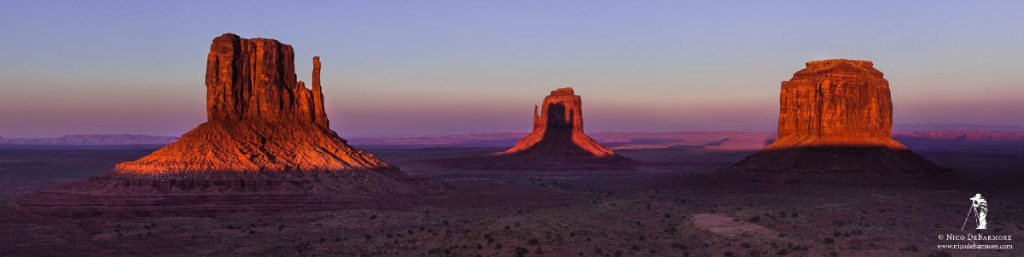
836, 103
265, 147
259, 119
836, 115
558, 130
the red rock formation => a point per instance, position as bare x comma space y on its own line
558, 130
836, 116
259, 119
265, 147
836, 103
557, 143
254, 80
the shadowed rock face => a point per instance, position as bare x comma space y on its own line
836, 116
557, 143
259, 119
558, 130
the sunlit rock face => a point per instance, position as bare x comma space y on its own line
254, 80
836, 116
836, 103
558, 130
259, 118
265, 147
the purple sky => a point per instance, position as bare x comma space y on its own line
451, 67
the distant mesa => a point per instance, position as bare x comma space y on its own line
836, 116
92, 140
944, 138
955, 127
266, 146
557, 142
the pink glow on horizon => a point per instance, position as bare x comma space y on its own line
476, 66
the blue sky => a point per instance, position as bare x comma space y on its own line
450, 67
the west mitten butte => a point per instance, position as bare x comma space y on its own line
259, 118
265, 147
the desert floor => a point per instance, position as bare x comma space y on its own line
645, 212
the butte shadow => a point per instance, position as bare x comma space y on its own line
557, 143
836, 120
266, 147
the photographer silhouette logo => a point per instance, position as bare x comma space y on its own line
979, 209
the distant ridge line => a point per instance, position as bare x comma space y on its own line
92, 140
955, 127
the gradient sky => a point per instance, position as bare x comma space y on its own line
452, 67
